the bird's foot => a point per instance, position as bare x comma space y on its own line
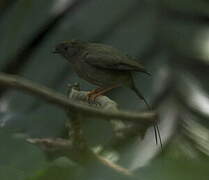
92, 99
92, 95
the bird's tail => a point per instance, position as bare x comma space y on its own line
156, 128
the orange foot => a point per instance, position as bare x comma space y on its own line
92, 95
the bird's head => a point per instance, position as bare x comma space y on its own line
68, 49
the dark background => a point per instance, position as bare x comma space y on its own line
171, 38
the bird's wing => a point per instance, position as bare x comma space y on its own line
113, 59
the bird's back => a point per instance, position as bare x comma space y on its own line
105, 56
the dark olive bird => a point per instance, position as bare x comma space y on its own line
103, 66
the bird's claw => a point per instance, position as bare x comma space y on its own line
91, 98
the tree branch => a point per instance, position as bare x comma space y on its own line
60, 100
84, 156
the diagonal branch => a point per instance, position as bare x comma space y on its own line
60, 100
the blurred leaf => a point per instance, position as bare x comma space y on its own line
16, 156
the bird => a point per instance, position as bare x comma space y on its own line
103, 66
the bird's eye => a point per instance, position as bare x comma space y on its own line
65, 48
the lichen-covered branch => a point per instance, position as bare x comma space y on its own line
63, 147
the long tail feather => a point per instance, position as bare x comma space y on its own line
155, 126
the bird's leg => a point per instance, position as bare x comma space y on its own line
102, 91
92, 92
